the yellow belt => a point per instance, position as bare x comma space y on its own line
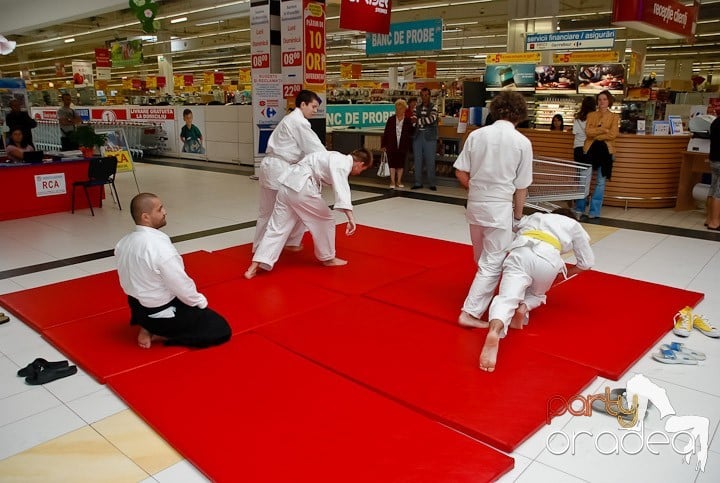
543, 236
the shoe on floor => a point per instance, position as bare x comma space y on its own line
416, 187
701, 324
401, 186
4, 318
37, 365
683, 321
48, 375
433, 188
392, 186
669, 356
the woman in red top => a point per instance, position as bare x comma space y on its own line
396, 142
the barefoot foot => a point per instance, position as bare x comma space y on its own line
145, 338
520, 318
335, 262
488, 356
252, 270
469, 321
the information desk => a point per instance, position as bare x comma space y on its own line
39, 189
645, 172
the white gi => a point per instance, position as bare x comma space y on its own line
299, 201
289, 142
533, 263
499, 160
152, 271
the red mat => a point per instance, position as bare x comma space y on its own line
59, 303
604, 321
432, 367
363, 273
247, 304
207, 268
252, 411
106, 344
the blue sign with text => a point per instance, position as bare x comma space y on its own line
358, 115
415, 36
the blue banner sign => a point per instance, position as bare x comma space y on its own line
581, 39
421, 35
358, 115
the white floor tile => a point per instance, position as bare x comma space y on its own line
73, 387
38, 279
98, 405
539, 472
39, 428
16, 338
182, 472
24, 404
8, 286
10, 383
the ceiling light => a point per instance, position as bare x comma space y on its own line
178, 20
203, 24
71, 39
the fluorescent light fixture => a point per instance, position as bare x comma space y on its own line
178, 20
47, 50
457, 24
71, 39
203, 24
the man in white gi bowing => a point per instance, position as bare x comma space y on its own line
533, 261
495, 166
299, 201
289, 142
163, 299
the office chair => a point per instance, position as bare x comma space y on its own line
101, 171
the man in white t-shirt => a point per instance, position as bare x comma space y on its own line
163, 299
495, 166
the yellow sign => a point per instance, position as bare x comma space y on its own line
178, 80
345, 70
603, 56
636, 62
124, 160
514, 58
151, 82
244, 76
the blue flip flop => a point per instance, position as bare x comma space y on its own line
669, 356
683, 349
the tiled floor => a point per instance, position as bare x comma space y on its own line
75, 429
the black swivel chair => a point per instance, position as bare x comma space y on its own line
101, 171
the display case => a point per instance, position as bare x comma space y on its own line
548, 106
634, 111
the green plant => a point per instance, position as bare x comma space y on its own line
85, 135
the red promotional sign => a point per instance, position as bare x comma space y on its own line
102, 58
152, 113
161, 81
368, 15
137, 84
314, 47
108, 115
187, 79
664, 18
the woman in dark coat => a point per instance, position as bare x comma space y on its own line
396, 142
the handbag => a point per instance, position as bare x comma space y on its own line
384, 169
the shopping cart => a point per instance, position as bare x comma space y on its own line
557, 180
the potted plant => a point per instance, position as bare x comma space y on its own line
86, 137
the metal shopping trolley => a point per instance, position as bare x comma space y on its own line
557, 180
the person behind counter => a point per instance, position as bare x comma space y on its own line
68, 119
588, 105
17, 146
17, 118
558, 123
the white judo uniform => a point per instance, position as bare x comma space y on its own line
499, 161
300, 202
290, 141
535, 258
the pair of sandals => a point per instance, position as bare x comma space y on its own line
41, 371
678, 353
618, 395
4, 318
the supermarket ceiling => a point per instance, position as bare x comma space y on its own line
215, 35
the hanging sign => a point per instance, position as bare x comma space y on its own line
82, 73
581, 39
369, 16
291, 33
607, 56
514, 58
665, 18
260, 35
420, 35
314, 46
425, 69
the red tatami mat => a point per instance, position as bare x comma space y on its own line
58, 303
604, 321
106, 344
252, 411
247, 304
207, 268
433, 367
437, 292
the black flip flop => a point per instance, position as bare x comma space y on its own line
37, 365
48, 375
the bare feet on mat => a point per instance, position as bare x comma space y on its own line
467, 320
488, 356
252, 270
145, 338
335, 262
519, 320
294, 248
